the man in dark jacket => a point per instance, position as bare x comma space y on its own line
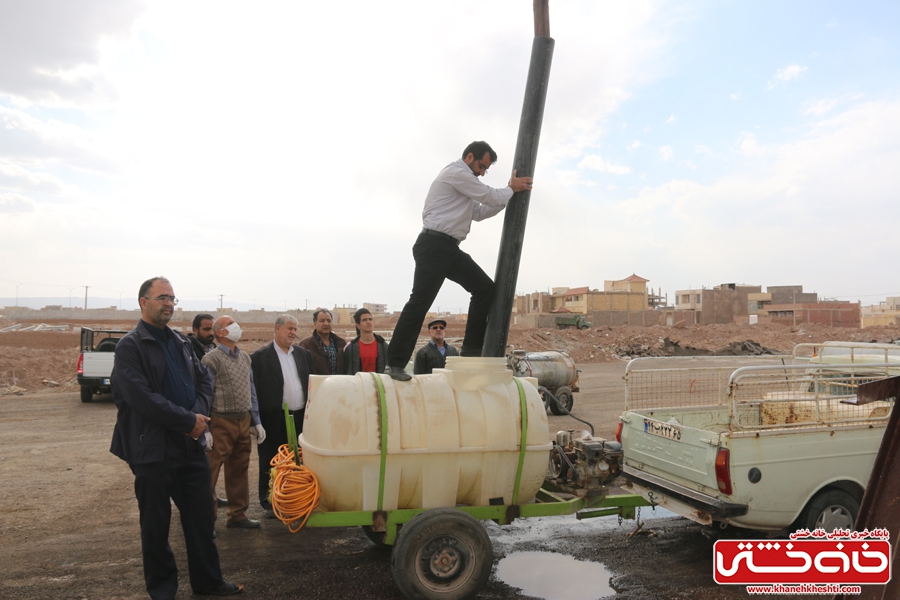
367, 352
327, 349
434, 354
163, 394
202, 336
281, 373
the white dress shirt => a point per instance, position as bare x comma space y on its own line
457, 197
293, 389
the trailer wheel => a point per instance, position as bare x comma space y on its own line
87, 393
830, 510
442, 554
564, 395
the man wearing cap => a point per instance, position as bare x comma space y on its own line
455, 199
434, 354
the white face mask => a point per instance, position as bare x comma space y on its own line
234, 332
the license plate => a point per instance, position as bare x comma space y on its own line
106, 382
671, 432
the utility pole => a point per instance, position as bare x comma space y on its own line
120, 300
85, 295
221, 297
254, 304
17, 293
513, 237
307, 303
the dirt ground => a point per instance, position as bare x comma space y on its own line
69, 521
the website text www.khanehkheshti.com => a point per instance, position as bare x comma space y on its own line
804, 588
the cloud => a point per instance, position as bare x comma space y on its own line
787, 196
787, 74
596, 163
734, 96
832, 22
634, 145
701, 149
749, 146
671, 119
51, 52
666, 152
688, 164
15, 203
27, 139
21, 179
818, 109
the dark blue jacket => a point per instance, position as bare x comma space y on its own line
145, 415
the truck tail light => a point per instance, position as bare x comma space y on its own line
80, 367
723, 471
619, 432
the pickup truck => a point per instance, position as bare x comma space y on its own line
95, 362
771, 444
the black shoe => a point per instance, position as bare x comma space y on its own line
397, 373
469, 352
223, 502
244, 524
224, 589
270, 514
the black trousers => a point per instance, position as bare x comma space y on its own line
182, 476
276, 436
438, 259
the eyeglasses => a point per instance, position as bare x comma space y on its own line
441, 327
164, 299
482, 167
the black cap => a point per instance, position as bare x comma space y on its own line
441, 321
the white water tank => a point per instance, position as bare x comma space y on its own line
453, 438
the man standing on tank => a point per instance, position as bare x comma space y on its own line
455, 199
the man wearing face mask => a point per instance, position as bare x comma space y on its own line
234, 417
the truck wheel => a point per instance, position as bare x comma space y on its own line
830, 510
87, 393
442, 554
583, 327
564, 395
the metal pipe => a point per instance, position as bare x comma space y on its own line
513, 236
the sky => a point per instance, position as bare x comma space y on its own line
279, 153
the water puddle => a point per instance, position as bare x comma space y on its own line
553, 576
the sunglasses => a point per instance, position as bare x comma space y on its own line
438, 327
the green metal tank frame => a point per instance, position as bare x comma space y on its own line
547, 502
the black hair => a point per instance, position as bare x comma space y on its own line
321, 310
145, 287
357, 316
479, 149
200, 318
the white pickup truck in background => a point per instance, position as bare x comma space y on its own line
95, 363
766, 443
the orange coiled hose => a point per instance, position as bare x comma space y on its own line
294, 492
